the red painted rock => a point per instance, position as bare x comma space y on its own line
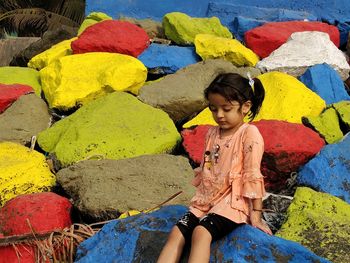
194, 142
25, 254
46, 212
10, 93
263, 40
112, 36
287, 147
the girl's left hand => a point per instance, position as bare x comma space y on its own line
256, 221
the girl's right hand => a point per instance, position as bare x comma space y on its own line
256, 221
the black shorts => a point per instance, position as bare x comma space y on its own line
218, 226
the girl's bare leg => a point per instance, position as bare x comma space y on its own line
200, 247
172, 250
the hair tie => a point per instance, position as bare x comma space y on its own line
251, 81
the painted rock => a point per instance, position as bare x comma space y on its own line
10, 93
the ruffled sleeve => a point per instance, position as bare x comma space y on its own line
253, 149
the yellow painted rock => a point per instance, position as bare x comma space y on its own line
22, 171
210, 46
48, 56
182, 28
286, 99
77, 79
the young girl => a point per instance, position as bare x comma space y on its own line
229, 183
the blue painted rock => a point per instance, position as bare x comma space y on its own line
326, 82
140, 239
329, 171
164, 59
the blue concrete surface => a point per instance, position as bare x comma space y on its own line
329, 171
141, 238
326, 82
164, 59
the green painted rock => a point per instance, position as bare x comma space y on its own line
92, 19
320, 222
326, 124
20, 75
116, 126
182, 28
343, 110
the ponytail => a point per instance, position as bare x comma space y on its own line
257, 98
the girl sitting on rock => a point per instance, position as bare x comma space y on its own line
229, 183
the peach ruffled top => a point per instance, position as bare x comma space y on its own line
229, 175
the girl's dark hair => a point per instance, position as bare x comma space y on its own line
233, 86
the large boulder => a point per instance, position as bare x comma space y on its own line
112, 36
265, 39
212, 47
103, 189
182, 28
19, 75
326, 82
286, 99
329, 171
46, 212
75, 80
303, 50
141, 238
16, 163
25, 118
181, 94
10, 93
165, 59
320, 222
116, 126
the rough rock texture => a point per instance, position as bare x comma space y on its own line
265, 39
74, 80
49, 39
16, 163
10, 93
46, 212
182, 28
154, 29
343, 110
209, 46
104, 128
112, 36
57, 51
181, 94
164, 59
104, 189
19, 75
326, 124
326, 82
329, 171
303, 50
11, 46
193, 140
288, 146
286, 99
25, 118
247, 16
319, 222
92, 19
141, 238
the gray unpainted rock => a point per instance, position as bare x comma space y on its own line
153, 28
11, 46
181, 94
25, 118
103, 189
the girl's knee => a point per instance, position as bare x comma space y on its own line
201, 232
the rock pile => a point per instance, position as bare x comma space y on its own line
113, 119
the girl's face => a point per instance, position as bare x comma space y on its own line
229, 115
